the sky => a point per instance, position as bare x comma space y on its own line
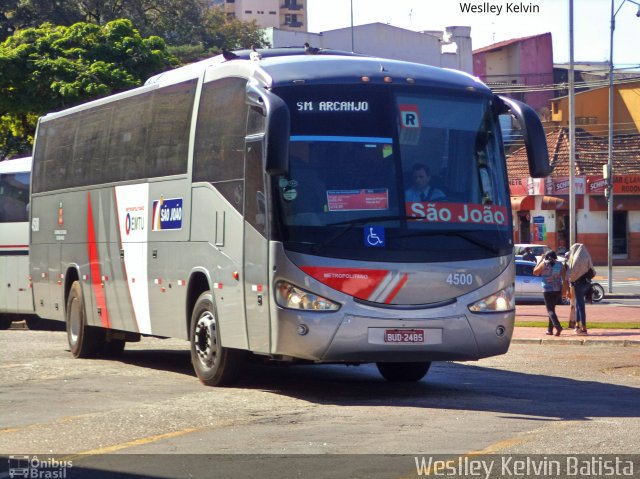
591, 23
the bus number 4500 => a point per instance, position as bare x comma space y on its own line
460, 279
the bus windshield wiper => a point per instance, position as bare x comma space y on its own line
350, 224
373, 219
458, 234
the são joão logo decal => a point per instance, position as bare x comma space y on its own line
167, 214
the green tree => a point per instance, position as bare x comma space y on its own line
178, 22
52, 67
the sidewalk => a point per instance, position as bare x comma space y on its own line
595, 313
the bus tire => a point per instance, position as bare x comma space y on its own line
403, 372
214, 364
84, 341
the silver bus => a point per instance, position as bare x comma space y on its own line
16, 301
264, 209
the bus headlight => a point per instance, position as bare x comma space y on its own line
292, 297
503, 300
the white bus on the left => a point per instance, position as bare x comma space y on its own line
16, 299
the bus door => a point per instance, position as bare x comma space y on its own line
256, 258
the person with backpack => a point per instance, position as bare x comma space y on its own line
580, 271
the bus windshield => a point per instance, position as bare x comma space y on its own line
404, 175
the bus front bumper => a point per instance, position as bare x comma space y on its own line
350, 338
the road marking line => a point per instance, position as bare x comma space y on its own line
28, 427
135, 442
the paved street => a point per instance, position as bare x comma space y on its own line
110, 415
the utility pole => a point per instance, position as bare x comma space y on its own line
572, 135
352, 42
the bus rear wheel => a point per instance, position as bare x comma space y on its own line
403, 372
84, 341
214, 364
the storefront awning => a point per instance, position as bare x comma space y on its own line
561, 202
523, 203
620, 203
553, 203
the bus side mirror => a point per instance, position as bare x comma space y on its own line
533, 135
277, 128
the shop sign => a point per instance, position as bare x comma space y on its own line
559, 185
622, 184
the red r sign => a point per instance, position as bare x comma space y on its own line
409, 116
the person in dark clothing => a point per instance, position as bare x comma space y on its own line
552, 273
528, 255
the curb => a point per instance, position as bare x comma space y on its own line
578, 342
620, 296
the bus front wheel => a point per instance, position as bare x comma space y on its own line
407, 372
84, 341
214, 364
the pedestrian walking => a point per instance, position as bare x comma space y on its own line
551, 271
580, 272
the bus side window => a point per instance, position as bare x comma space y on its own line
220, 132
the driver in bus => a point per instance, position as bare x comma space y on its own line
421, 189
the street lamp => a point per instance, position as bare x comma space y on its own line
609, 171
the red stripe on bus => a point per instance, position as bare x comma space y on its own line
357, 282
14, 245
397, 289
94, 266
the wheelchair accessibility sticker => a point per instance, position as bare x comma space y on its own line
374, 236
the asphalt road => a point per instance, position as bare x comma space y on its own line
145, 414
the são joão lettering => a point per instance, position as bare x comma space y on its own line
457, 213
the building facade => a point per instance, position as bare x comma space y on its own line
541, 205
284, 14
592, 109
520, 62
448, 49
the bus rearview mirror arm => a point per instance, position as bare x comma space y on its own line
277, 128
535, 141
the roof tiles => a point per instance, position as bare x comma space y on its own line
591, 154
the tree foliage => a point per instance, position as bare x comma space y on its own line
57, 53
178, 22
52, 67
